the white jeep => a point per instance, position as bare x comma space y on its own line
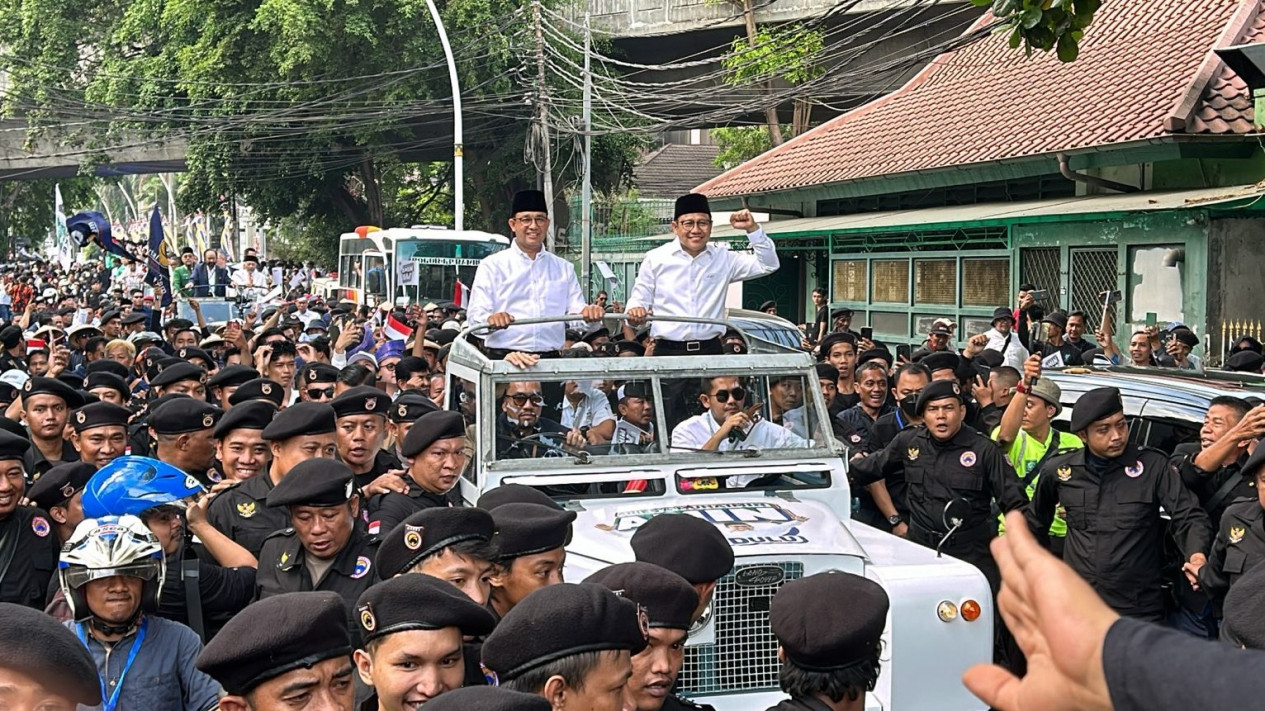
785, 509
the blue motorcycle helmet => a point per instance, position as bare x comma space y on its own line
131, 485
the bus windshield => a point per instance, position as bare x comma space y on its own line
439, 264
406, 268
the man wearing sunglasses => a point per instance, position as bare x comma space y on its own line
521, 431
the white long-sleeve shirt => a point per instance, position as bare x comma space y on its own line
513, 282
1013, 353
672, 283
694, 432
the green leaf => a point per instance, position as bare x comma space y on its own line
1016, 38
1068, 48
1031, 17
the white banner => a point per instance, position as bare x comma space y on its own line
65, 247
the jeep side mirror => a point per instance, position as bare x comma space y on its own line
955, 513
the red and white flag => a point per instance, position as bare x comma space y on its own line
395, 329
460, 294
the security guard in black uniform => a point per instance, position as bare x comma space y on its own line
669, 601
688, 546
60, 493
1239, 545
48, 424
191, 380
28, 546
183, 435
40, 654
406, 409
1112, 492
362, 428
303, 430
326, 547
488, 698
943, 461
828, 650
258, 389
226, 381
435, 450
140, 441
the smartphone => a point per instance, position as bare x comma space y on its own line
903, 351
1152, 319
1039, 294
1109, 297
867, 333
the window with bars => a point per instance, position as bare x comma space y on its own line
985, 282
891, 281
849, 282
935, 281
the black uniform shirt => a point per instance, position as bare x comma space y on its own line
1206, 485
28, 556
242, 513
223, 592
37, 464
386, 511
969, 465
383, 462
1238, 547
1115, 536
283, 569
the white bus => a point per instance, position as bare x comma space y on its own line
410, 265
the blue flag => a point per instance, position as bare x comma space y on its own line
158, 273
85, 226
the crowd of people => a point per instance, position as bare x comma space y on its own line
260, 514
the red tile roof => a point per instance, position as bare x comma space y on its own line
1146, 70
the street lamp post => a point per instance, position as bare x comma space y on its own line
458, 175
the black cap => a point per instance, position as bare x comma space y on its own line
1244, 609
134, 317
430, 428
232, 375
189, 352
38, 646
13, 446
691, 203
826, 371
301, 418
107, 380
528, 529
941, 360
688, 546
74, 381
254, 415
276, 635
184, 414
635, 347
8, 393
10, 336
176, 372
258, 389
876, 353
315, 482
409, 406
427, 532
1001, 312
529, 201
1248, 343
600, 332
488, 698
515, 494
1057, 318
669, 599
1254, 462
60, 483
361, 400
110, 315
990, 358
52, 386
312, 373
831, 339
634, 388
1186, 336
418, 602
1245, 362
816, 634
560, 621
770, 304
938, 390
841, 312
1095, 405
99, 414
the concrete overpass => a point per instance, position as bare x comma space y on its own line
52, 155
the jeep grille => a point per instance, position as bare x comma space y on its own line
744, 655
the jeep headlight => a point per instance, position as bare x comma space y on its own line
702, 621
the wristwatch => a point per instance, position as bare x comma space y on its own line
895, 519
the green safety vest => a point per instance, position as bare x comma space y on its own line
1026, 453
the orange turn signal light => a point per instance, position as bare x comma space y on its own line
970, 610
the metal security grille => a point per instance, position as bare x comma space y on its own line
850, 280
1039, 266
1093, 271
744, 657
985, 282
935, 281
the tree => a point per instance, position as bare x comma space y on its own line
1044, 25
27, 207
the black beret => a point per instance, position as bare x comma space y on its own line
60, 483
276, 635
178, 324
258, 389
635, 347
176, 372
826, 371
232, 375
8, 393
99, 414
528, 201
1186, 336
361, 400
527, 529
816, 636
1244, 609
418, 602
318, 373
688, 546
990, 358
427, 532
134, 317
831, 339
74, 381
1095, 405
158, 402
38, 646
690, 204
107, 380
941, 360
183, 415
876, 353
52, 386
13, 446
668, 598
301, 418
938, 390
10, 336
315, 482
1245, 362
253, 415
430, 428
841, 312
515, 494
488, 698
1254, 462
110, 315
187, 353
409, 406
560, 621
596, 333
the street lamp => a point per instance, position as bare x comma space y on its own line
459, 206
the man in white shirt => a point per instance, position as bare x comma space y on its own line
249, 281
586, 412
525, 281
689, 276
1003, 339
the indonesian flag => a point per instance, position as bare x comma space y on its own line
460, 294
395, 329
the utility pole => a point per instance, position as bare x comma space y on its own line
458, 150
586, 192
542, 98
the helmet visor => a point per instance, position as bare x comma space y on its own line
76, 576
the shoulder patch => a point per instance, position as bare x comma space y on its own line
363, 564
39, 525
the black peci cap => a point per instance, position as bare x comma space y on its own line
669, 599
60, 483
301, 418
13, 446
427, 532
276, 635
184, 414
315, 482
99, 414
816, 633
418, 602
253, 415
560, 621
529, 201
528, 529
938, 390
515, 494
361, 400
430, 428
232, 375
1095, 405
38, 646
688, 546
258, 389
176, 372
52, 386
690, 204
409, 406
74, 381
488, 698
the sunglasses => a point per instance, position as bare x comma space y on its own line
317, 393
521, 399
738, 394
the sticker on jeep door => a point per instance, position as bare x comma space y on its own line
733, 516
